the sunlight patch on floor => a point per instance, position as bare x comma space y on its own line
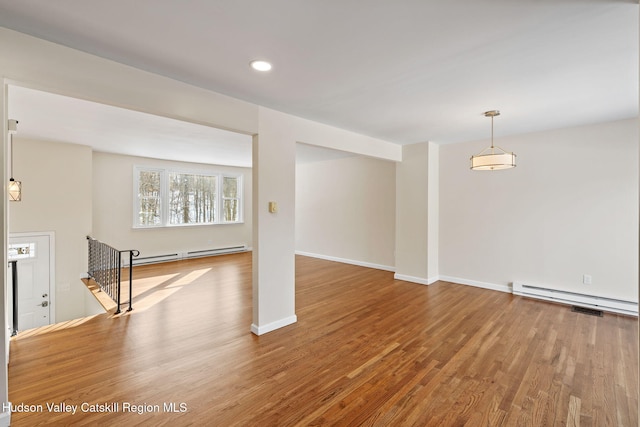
159, 292
153, 299
142, 285
52, 328
190, 278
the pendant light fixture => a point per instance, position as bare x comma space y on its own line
492, 158
15, 187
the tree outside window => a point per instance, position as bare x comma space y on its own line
192, 199
149, 213
172, 198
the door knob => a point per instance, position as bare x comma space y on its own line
45, 303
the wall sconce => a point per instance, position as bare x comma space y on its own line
15, 187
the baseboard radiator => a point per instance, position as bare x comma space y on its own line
177, 256
572, 298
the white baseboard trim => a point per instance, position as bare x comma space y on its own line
5, 418
477, 284
348, 261
260, 330
420, 280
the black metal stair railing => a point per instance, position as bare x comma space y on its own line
105, 267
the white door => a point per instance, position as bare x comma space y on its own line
34, 279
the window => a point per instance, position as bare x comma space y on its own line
192, 198
230, 199
149, 210
165, 197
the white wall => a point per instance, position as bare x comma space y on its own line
569, 208
273, 267
433, 212
113, 210
417, 213
345, 208
56, 196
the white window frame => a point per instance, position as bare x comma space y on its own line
164, 196
136, 198
240, 197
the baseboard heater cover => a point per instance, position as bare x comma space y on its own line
153, 259
186, 255
219, 251
573, 298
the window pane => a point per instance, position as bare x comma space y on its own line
230, 187
230, 207
230, 199
149, 198
192, 199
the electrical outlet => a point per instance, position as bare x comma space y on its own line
586, 279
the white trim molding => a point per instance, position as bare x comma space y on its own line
477, 284
413, 279
260, 330
347, 261
5, 416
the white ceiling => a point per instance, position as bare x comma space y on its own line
404, 71
52, 117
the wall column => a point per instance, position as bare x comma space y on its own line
274, 155
417, 214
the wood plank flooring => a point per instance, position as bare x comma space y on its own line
367, 350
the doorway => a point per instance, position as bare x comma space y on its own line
35, 296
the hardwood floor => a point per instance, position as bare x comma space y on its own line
367, 350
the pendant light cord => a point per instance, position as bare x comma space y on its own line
491, 136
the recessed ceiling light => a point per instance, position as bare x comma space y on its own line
260, 65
